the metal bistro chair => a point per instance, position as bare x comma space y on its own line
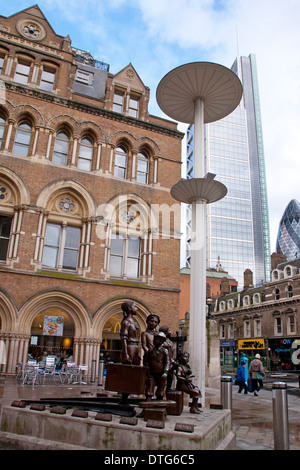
20, 371
71, 372
83, 373
49, 369
30, 374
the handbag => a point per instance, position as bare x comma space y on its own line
259, 376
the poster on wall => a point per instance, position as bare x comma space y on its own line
53, 326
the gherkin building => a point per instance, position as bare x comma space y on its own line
288, 238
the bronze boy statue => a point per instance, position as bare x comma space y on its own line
184, 381
147, 336
158, 367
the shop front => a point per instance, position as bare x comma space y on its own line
52, 334
284, 354
228, 355
252, 346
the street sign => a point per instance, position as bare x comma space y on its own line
257, 343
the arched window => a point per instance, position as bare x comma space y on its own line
120, 162
142, 168
61, 148
85, 154
2, 128
22, 139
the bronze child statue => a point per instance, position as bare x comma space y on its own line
184, 382
158, 367
152, 321
130, 334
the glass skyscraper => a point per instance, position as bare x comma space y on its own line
238, 225
288, 238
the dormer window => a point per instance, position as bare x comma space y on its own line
133, 109
47, 79
118, 104
83, 77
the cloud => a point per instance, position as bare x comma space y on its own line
159, 35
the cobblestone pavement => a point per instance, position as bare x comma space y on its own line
252, 417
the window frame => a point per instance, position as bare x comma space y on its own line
142, 157
47, 70
6, 238
125, 257
278, 326
61, 247
118, 105
247, 328
26, 132
133, 111
81, 158
291, 330
58, 153
18, 73
118, 167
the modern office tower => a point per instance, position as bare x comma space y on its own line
288, 238
238, 225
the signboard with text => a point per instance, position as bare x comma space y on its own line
257, 343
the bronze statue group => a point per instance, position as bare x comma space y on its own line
162, 368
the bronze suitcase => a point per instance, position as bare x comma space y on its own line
178, 408
125, 378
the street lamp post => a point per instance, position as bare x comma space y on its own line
198, 93
208, 303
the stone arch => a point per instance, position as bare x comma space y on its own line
8, 312
122, 200
87, 127
120, 137
149, 145
62, 300
20, 192
112, 307
57, 187
64, 120
24, 111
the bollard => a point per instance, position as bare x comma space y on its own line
100, 372
93, 371
280, 416
226, 394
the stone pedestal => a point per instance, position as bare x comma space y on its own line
213, 366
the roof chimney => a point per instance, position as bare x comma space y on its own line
248, 278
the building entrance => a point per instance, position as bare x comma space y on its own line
52, 334
111, 345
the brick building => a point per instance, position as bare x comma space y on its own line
218, 283
86, 216
263, 319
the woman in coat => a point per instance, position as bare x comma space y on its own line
257, 373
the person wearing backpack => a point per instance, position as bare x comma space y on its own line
257, 373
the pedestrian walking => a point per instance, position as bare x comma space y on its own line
257, 373
241, 378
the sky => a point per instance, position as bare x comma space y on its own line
159, 35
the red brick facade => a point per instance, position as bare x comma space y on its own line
71, 164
